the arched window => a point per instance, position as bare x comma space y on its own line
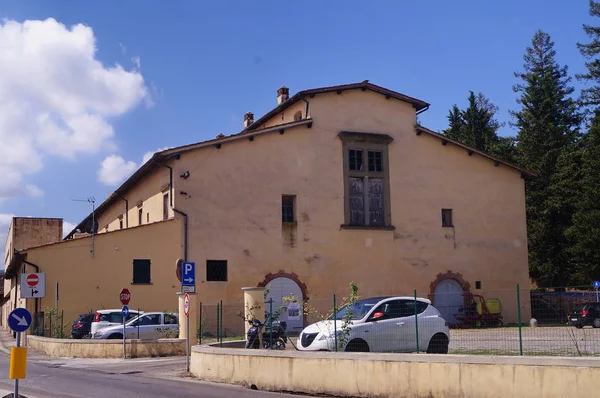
298, 116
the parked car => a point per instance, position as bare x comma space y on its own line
81, 328
384, 324
150, 325
587, 314
107, 318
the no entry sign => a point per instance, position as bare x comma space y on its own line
125, 296
32, 280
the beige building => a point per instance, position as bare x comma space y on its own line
333, 185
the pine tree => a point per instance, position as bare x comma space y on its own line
477, 127
548, 130
585, 231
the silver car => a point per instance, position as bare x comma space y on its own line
149, 326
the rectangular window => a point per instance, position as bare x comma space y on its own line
166, 206
147, 217
288, 209
447, 218
140, 216
375, 161
367, 202
355, 157
216, 270
121, 222
141, 271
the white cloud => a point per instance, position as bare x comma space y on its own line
56, 98
114, 170
5, 220
67, 227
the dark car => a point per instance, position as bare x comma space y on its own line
588, 314
82, 326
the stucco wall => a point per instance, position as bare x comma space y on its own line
235, 210
106, 348
147, 190
88, 284
398, 375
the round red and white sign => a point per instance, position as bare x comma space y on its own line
186, 304
32, 280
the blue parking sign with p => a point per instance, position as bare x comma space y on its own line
188, 274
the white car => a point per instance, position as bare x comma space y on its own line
106, 318
149, 326
385, 324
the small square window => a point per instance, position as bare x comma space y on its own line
447, 218
141, 271
216, 270
375, 159
477, 284
287, 209
355, 160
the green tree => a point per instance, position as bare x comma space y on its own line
548, 130
585, 231
477, 127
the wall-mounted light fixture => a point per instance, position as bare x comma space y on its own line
185, 175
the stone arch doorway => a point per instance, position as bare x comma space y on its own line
447, 295
282, 285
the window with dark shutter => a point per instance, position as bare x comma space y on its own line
141, 271
216, 270
366, 180
447, 218
287, 209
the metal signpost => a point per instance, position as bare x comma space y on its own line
19, 321
188, 277
124, 296
596, 285
33, 285
186, 312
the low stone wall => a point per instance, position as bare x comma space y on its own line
398, 375
87, 348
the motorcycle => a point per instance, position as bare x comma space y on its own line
275, 334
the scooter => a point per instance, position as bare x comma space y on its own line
276, 334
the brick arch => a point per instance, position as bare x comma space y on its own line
293, 276
282, 274
448, 275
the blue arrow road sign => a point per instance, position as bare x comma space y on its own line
188, 274
596, 284
125, 311
19, 319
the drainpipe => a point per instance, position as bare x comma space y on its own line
37, 270
126, 211
306, 111
185, 216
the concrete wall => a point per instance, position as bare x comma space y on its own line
235, 210
88, 284
106, 348
398, 375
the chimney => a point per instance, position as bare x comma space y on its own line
248, 119
282, 95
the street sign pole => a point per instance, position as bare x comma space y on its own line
596, 285
124, 296
186, 312
19, 320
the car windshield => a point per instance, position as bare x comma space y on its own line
358, 309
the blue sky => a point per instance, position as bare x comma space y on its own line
204, 64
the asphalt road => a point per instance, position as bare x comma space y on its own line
90, 378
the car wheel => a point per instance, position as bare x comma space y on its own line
596, 323
357, 345
115, 336
438, 344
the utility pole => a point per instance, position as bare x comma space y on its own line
91, 200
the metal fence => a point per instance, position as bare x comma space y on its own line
519, 321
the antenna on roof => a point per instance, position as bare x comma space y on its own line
91, 200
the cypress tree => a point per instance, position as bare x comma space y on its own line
548, 130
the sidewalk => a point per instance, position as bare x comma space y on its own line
7, 342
